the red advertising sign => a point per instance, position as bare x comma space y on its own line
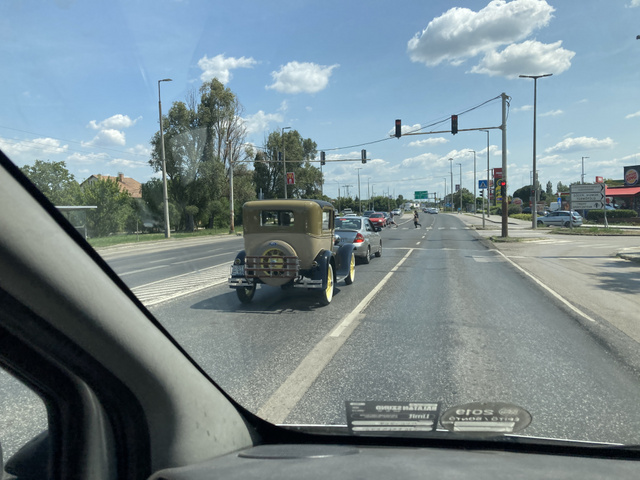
497, 173
599, 180
291, 178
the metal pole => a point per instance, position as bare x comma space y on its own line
582, 178
535, 172
460, 190
489, 181
359, 196
284, 161
451, 172
165, 196
231, 211
445, 193
474, 182
503, 127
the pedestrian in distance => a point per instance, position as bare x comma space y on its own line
416, 219
391, 220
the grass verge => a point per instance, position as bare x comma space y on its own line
156, 237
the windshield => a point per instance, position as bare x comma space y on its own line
150, 124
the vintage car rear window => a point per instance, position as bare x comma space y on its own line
276, 218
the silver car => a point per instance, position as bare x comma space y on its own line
362, 233
561, 218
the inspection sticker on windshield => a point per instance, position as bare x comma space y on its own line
491, 417
389, 418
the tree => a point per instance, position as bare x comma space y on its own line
269, 168
549, 190
114, 207
200, 141
561, 188
54, 180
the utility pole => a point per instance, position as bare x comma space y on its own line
284, 161
505, 201
230, 158
359, 196
582, 177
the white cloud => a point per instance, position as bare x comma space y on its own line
552, 113
295, 77
122, 162
529, 57
634, 3
460, 33
633, 115
87, 158
426, 160
107, 137
524, 108
35, 148
220, 67
429, 141
118, 121
581, 143
260, 121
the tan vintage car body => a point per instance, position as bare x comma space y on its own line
290, 243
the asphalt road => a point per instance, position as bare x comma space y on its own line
454, 321
442, 316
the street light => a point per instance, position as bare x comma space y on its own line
451, 172
165, 197
474, 180
359, 196
488, 181
445, 192
284, 161
582, 177
460, 190
535, 173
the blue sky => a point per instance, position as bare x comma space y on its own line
79, 82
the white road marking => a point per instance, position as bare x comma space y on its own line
548, 289
180, 285
199, 258
132, 272
287, 396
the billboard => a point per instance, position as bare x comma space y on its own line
632, 176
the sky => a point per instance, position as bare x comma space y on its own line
79, 84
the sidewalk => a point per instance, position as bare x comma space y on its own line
522, 229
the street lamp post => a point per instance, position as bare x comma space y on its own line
284, 161
582, 177
231, 210
165, 196
535, 172
445, 192
451, 172
474, 181
359, 196
460, 188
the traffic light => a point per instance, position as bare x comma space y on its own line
503, 188
322, 158
481, 193
363, 154
398, 128
454, 124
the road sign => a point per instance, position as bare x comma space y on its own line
588, 196
422, 195
483, 184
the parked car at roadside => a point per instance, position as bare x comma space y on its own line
561, 218
397, 211
360, 232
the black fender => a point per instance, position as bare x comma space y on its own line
343, 261
240, 258
320, 272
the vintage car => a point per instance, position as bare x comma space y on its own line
290, 243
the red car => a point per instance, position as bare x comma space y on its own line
378, 219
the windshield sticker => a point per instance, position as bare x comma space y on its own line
492, 417
388, 418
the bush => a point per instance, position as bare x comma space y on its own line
522, 216
598, 215
514, 210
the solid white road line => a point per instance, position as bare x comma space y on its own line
287, 396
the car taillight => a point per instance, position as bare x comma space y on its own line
359, 238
